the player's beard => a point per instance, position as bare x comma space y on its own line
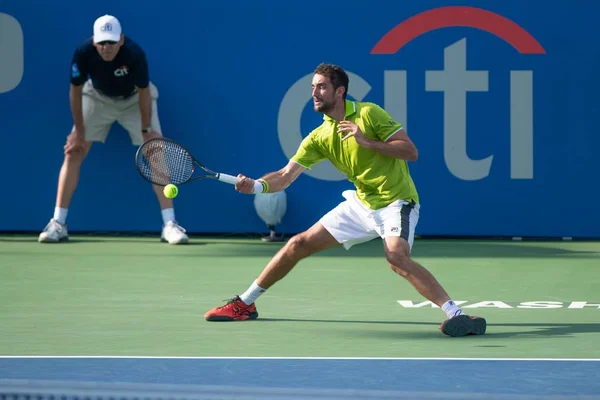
325, 106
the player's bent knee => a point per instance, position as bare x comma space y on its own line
299, 246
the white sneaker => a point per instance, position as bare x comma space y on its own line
173, 234
54, 232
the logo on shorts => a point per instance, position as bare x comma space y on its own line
394, 229
122, 71
75, 71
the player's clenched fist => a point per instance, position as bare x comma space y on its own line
245, 184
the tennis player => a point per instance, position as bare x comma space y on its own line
368, 146
109, 82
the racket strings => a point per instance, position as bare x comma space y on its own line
164, 162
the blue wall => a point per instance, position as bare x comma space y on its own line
225, 72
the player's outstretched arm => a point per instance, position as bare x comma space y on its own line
273, 181
280, 180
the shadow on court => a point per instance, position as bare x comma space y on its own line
437, 248
500, 248
523, 330
423, 248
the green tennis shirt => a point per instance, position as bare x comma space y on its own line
379, 179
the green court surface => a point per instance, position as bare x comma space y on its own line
126, 296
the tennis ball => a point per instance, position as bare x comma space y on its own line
170, 191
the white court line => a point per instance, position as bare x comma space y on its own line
309, 358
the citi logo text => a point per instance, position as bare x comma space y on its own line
122, 71
454, 81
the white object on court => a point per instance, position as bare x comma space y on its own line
271, 207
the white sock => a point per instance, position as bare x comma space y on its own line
451, 309
60, 215
253, 293
168, 214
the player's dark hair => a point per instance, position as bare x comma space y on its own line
336, 75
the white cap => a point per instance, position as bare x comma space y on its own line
107, 27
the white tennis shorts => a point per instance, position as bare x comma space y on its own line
100, 112
351, 222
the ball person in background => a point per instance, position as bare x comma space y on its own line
109, 82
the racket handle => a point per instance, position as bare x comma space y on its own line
258, 187
228, 178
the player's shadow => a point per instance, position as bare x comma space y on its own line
545, 329
427, 248
524, 330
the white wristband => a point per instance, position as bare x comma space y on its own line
258, 187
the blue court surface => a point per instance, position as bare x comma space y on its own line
297, 378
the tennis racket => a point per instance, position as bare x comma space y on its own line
163, 161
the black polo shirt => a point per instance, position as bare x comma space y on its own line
116, 78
